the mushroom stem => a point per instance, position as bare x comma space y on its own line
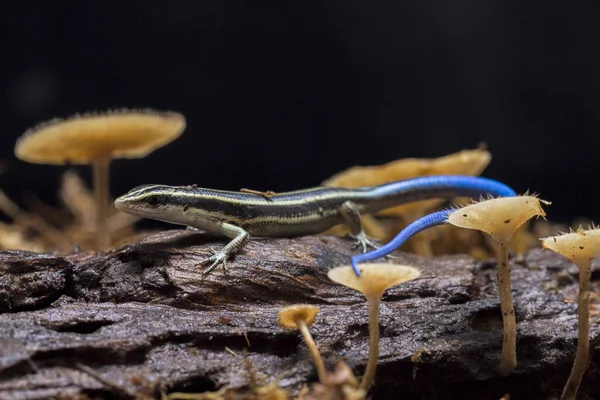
101, 193
369, 375
508, 359
583, 344
314, 350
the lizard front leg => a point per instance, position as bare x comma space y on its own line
239, 239
351, 216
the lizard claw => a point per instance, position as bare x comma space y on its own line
218, 257
364, 242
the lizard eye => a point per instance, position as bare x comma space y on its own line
153, 201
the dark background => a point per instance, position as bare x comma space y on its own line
280, 95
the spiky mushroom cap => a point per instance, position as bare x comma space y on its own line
375, 278
84, 138
290, 316
500, 217
580, 246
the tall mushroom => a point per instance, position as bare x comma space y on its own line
500, 218
374, 280
96, 139
580, 247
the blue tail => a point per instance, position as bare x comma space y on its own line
478, 185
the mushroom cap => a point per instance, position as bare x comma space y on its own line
289, 316
465, 162
500, 217
375, 278
83, 138
579, 246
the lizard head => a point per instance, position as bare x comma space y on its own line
149, 201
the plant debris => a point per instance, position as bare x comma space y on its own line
61, 230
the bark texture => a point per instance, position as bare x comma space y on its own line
143, 318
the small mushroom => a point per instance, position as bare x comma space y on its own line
374, 280
301, 316
580, 247
500, 218
96, 139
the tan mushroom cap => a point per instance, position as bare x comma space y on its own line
289, 316
375, 278
466, 162
116, 134
579, 245
500, 216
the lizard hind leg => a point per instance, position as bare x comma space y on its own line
351, 216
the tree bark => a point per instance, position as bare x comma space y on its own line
144, 319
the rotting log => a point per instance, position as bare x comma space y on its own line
143, 318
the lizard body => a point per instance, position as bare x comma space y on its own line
240, 215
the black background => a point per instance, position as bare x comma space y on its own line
280, 95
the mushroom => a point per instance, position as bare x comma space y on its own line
500, 217
580, 247
95, 139
301, 316
374, 280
